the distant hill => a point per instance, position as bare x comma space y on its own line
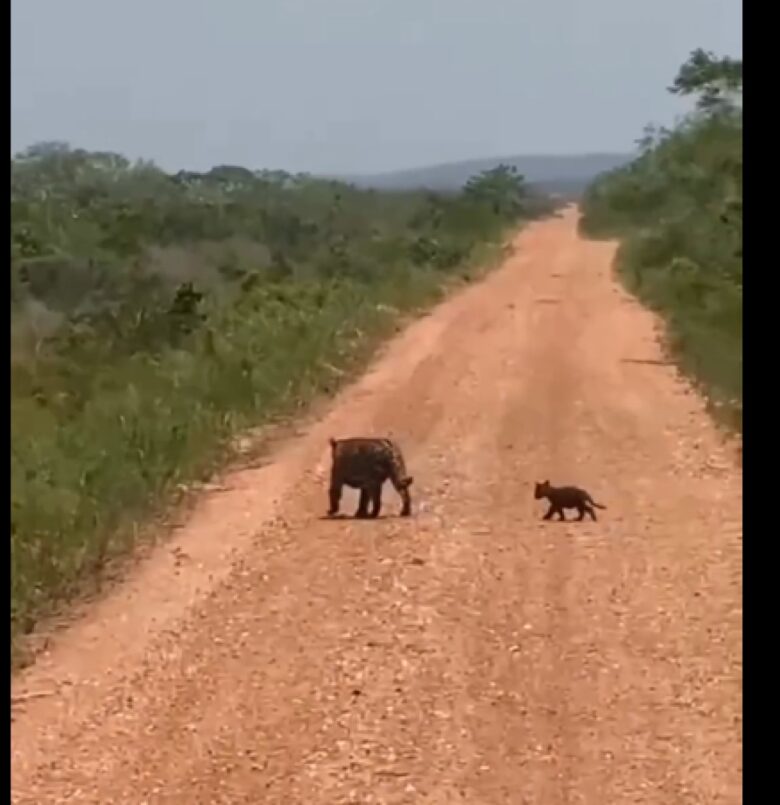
563, 175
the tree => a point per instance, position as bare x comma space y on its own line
502, 187
43, 150
717, 82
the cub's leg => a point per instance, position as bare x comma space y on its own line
550, 512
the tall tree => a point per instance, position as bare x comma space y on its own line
715, 81
502, 187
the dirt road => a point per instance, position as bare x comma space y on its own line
471, 654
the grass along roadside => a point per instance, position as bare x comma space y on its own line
703, 326
677, 212
702, 316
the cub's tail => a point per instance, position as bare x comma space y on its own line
597, 505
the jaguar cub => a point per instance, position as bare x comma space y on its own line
566, 497
365, 464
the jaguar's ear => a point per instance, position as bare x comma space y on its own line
332, 443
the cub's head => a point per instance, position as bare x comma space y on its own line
541, 489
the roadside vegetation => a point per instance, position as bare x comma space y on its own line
677, 210
157, 316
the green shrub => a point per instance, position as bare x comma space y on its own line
677, 210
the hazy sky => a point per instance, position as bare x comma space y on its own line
352, 85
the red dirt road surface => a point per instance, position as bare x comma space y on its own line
470, 654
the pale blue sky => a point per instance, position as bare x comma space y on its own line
352, 85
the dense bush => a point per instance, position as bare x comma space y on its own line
155, 316
677, 209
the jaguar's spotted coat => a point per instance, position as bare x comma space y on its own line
365, 464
